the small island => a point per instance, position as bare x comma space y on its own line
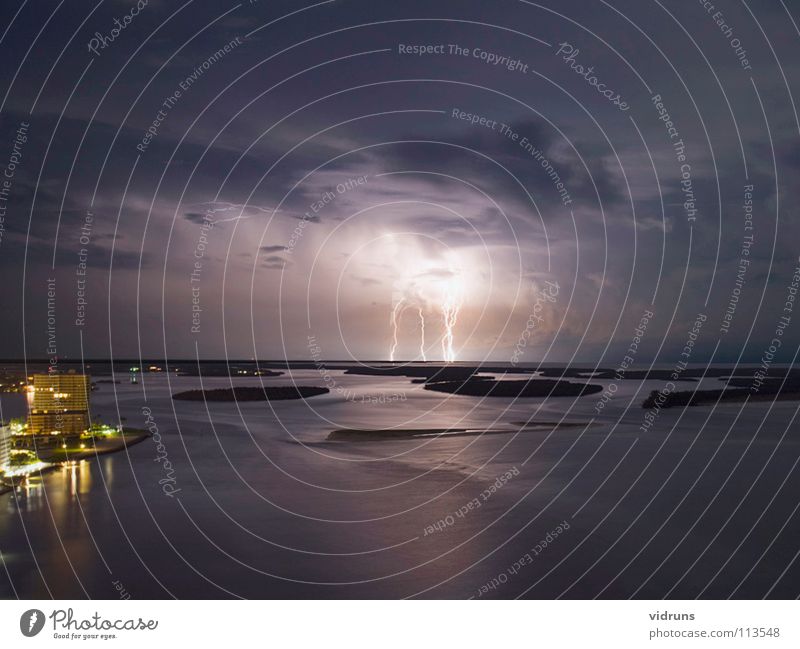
385, 434
389, 434
514, 388
254, 393
707, 397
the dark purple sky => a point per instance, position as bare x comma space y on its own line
306, 173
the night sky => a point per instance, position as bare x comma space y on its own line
228, 180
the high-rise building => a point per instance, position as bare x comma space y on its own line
5, 447
60, 404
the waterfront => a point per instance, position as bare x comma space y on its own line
264, 506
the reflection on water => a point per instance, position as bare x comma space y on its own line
78, 477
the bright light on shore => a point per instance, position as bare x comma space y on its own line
25, 470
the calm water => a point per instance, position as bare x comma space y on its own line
702, 505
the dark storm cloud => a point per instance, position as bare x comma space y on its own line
195, 217
215, 156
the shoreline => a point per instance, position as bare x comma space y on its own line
128, 438
104, 447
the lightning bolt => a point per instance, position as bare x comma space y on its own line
450, 308
32, 621
422, 334
450, 315
432, 289
396, 311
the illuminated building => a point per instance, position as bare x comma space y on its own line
60, 404
5, 445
